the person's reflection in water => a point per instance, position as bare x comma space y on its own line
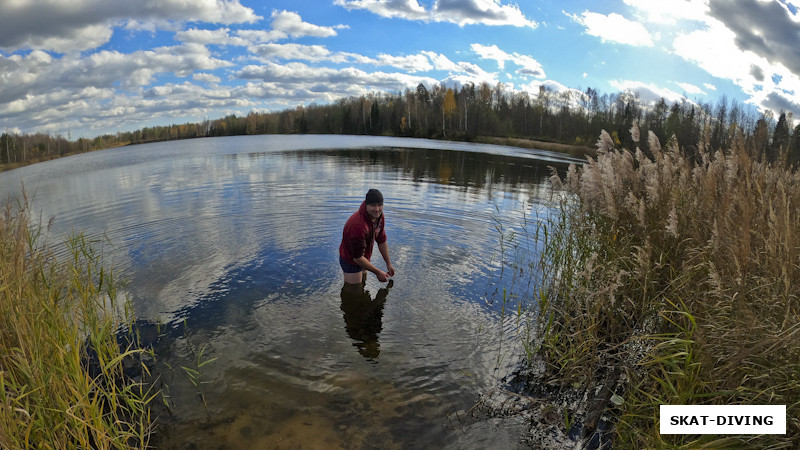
363, 317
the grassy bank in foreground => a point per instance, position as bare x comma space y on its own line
679, 278
61, 369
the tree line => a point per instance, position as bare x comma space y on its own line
468, 113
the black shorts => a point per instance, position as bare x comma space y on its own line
349, 268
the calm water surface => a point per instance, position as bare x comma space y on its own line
232, 244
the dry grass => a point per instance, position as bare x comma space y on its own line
682, 274
54, 317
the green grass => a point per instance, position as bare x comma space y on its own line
681, 274
51, 311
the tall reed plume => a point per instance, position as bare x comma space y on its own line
683, 274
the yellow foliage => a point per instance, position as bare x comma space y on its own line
449, 107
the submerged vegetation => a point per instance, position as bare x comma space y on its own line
672, 278
64, 379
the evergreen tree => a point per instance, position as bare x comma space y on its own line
780, 138
793, 153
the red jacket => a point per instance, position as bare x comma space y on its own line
360, 234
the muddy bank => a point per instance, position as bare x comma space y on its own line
537, 411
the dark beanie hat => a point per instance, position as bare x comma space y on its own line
374, 196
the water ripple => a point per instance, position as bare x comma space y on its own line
232, 243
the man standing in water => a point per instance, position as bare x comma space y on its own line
362, 230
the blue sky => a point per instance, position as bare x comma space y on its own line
89, 67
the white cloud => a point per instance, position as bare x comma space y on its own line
186, 100
297, 72
319, 53
40, 91
402, 9
491, 52
261, 36
649, 93
88, 37
768, 29
206, 77
410, 63
669, 12
614, 28
559, 94
714, 50
291, 51
459, 73
292, 24
297, 82
285, 24
441, 62
220, 36
475, 71
461, 12
484, 12
528, 66
301, 82
690, 88
462, 79
79, 25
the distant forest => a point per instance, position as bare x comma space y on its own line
469, 113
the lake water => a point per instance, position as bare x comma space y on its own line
232, 244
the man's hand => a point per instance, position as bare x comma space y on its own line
382, 276
390, 270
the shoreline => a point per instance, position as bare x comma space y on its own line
40, 159
577, 151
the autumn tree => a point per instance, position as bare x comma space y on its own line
448, 108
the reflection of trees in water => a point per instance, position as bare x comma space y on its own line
363, 317
458, 168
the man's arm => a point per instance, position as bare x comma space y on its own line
383, 247
364, 263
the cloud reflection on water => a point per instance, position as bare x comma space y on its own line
239, 237
179, 224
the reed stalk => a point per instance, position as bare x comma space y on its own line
62, 384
